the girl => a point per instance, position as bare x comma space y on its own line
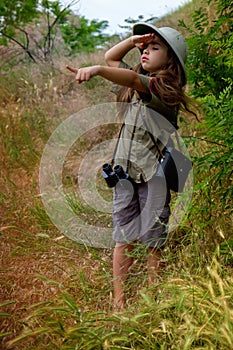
152, 91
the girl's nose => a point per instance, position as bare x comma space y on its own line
145, 50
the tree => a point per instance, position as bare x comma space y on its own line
14, 15
81, 34
38, 27
130, 21
22, 21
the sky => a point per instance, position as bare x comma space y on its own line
115, 12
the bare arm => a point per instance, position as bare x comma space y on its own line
113, 58
114, 55
119, 76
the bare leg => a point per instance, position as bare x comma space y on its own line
121, 264
154, 266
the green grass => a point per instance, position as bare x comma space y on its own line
190, 312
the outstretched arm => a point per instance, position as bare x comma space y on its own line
114, 55
118, 76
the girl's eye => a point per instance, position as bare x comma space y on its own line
155, 48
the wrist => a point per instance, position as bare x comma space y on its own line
97, 69
131, 42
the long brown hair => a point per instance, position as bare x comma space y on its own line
168, 84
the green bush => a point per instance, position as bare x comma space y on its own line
210, 48
211, 76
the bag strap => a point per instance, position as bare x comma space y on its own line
147, 128
115, 149
131, 140
154, 141
152, 136
178, 142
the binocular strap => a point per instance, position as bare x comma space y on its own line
131, 140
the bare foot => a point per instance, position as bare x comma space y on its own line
119, 304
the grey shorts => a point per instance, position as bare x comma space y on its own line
141, 212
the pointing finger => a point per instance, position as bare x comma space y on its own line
73, 70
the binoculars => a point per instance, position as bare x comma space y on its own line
112, 176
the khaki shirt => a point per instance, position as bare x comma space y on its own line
160, 120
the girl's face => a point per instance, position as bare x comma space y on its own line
154, 55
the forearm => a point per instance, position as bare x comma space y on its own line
114, 55
121, 76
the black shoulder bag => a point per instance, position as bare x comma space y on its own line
173, 164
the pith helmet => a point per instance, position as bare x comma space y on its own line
171, 36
